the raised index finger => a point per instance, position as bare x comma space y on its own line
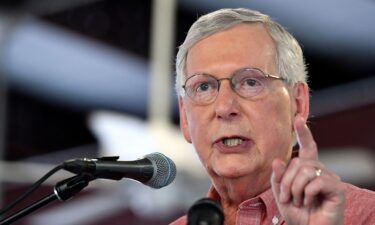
307, 145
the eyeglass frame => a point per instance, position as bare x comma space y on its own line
230, 79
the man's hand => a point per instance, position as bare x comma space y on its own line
306, 192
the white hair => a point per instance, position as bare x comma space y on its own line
289, 56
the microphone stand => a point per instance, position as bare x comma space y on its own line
63, 190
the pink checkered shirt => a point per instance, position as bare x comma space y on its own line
262, 210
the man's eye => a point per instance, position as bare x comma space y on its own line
203, 87
251, 82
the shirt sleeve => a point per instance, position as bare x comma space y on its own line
359, 206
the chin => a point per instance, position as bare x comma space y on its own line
231, 171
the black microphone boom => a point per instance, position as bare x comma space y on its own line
154, 170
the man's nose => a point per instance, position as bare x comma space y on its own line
226, 102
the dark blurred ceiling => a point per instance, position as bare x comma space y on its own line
126, 25
338, 39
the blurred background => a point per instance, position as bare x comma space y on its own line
89, 78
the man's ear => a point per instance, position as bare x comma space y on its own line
301, 99
184, 126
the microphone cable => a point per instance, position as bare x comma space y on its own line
30, 190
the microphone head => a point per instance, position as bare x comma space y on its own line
164, 170
206, 211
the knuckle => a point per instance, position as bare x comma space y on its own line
305, 171
295, 162
337, 177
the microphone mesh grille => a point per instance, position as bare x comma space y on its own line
165, 170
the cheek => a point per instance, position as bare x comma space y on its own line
199, 131
196, 121
275, 122
280, 109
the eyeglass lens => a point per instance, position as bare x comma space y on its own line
203, 88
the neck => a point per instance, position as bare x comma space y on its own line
234, 191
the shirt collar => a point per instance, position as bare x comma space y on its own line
266, 199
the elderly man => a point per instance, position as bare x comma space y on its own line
244, 102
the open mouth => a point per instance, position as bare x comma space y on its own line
232, 141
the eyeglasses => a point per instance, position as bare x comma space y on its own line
247, 82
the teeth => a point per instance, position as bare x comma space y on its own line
232, 141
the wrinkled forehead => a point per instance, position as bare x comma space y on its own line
244, 45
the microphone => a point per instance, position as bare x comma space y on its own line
205, 211
154, 170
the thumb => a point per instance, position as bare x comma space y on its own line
278, 170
